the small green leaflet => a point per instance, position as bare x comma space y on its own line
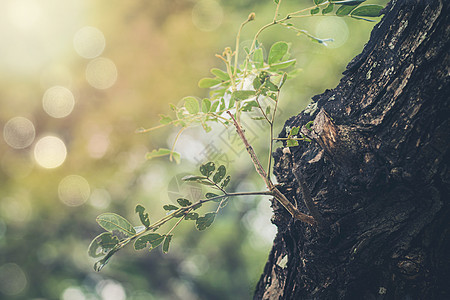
282, 65
143, 216
243, 94
294, 131
210, 195
193, 178
113, 222
220, 74
292, 143
166, 243
184, 202
164, 119
191, 105
101, 263
102, 244
317, 2
206, 105
207, 169
371, 10
220, 174
153, 238
205, 221
277, 51
225, 182
315, 10
191, 216
328, 9
205, 83
344, 10
170, 207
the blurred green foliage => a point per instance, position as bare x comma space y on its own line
160, 49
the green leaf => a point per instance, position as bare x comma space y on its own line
206, 105
154, 239
143, 216
222, 104
191, 216
113, 222
101, 244
276, 1
258, 58
292, 143
277, 51
283, 80
184, 202
165, 119
371, 10
282, 65
191, 105
315, 10
225, 182
243, 94
294, 131
309, 124
170, 207
193, 178
328, 9
196, 206
207, 169
249, 105
223, 203
214, 106
220, 174
176, 156
344, 10
220, 74
232, 103
205, 83
210, 195
205, 221
166, 243
317, 2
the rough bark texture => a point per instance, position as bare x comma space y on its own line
378, 171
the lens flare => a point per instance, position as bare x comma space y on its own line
50, 152
74, 190
58, 102
89, 42
101, 73
19, 132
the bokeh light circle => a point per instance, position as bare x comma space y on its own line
50, 152
74, 190
207, 15
89, 42
101, 73
12, 279
19, 132
73, 293
58, 101
335, 28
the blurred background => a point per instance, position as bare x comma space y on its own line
77, 78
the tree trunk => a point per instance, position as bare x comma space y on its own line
377, 170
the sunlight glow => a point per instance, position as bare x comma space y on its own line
74, 190
89, 42
50, 152
101, 73
19, 132
58, 102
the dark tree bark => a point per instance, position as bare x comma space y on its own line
377, 170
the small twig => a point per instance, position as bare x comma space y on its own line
295, 213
